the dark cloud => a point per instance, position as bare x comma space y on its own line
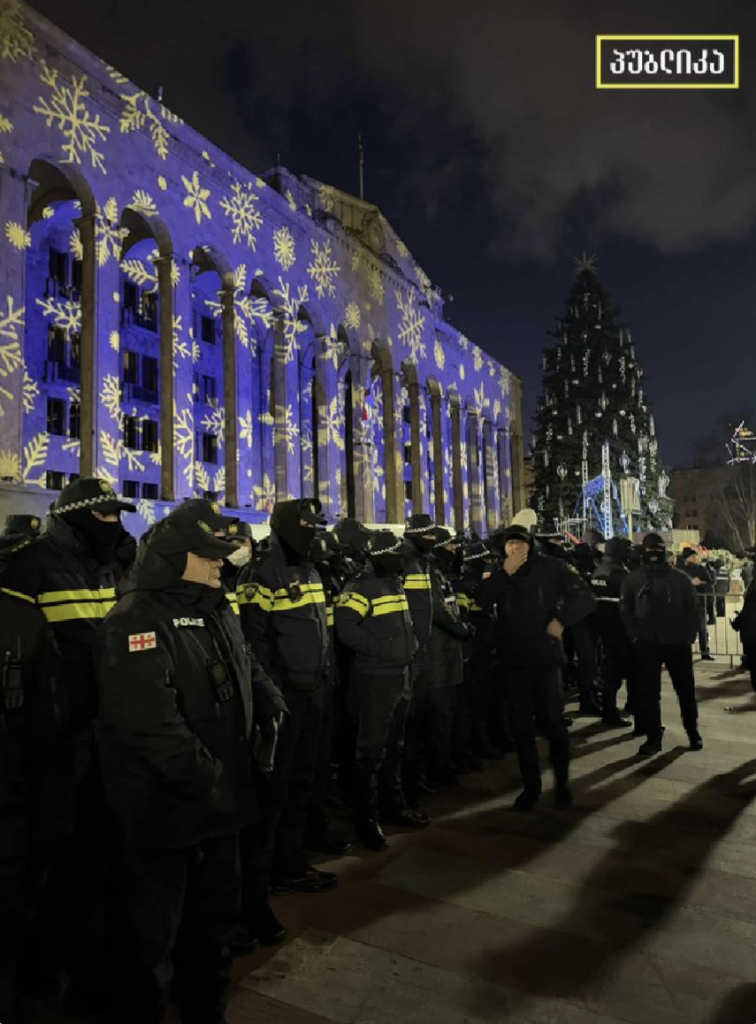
497, 91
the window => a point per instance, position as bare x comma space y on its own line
149, 436
407, 454
150, 492
56, 345
150, 380
130, 367
207, 329
209, 448
131, 297
195, 387
211, 495
76, 272
56, 416
130, 488
209, 390
75, 351
130, 432
74, 420
149, 311
408, 490
406, 414
59, 267
55, 480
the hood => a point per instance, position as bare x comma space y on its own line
285, 523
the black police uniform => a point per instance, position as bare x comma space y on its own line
617, 658
373, 620
176, 709
68, 574
531, 659
704, 592
283, 614
660, 613
745, 624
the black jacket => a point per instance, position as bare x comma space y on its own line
543, 589
446, 664
417, 586
283, 614
480, 647
658, 605
606, 584
74, 592
373, 620
176, 710
745, 621
702, 573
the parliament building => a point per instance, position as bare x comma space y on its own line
182, 326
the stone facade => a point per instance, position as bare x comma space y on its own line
182, 326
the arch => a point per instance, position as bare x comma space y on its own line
210, 258
311, 315
386, 434
52, 177
141, 225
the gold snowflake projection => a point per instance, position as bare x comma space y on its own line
245, 217
140, 273
461, 371
246, 428
35, 457
12, 321
284, 251
505, 381
110, 397
75, 245
477, 359
290, 200
114, 452
67, 110
10, 465
264, 494
497, 410
146, 509
327, 198
479, 399
491, 368
5, 127
248, 310
463, 343
196, 197
352, 316
334, 423
17, 235
65, 313
72, 446
333, 348
323, 269
289, 305
412, 323
356, 260
30, 393
401, 248
142, 202
108, 235
16, 41
439, 354
375, 284
114, 340
286, 429
214, 423
307, 449
183, 430
202, 480
162, 183
138, 113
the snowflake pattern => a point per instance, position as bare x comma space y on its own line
16, 41
196, 197
10, 466
352, 316
110, 397
35, 457
246, 428
327, 198
67, 110
109, 235
323, 269
264, 494
143, 203
65, 313
17, 235
183, 430
439, 354
334, 423
375, 284
245, 217
138, 113
214, 423
12, 321
288, 196
284, 251
248, 311
412, 323
30, 393
286, 429
146, 509
5, 127
290, 304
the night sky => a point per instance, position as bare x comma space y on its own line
495, 159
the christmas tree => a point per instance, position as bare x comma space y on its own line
592, 395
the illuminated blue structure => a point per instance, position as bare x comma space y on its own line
183, 327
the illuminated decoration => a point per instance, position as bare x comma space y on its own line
310, 353
742, 446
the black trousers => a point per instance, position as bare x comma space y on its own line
183, 903
678, 660
703, 632
584, 643
382, 703
749, 652
434, 710
16, 910
618, 666
536, 700
317, 819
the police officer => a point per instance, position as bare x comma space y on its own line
176, 714
700, 577
617, 655
536, 598
283, 614
19, 526
373, 620
69, 575
660, 614
241, 536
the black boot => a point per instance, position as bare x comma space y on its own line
527, 800
652, 745
370, 834
696, 743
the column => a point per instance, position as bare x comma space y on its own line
362, 455
107, 419
15, 193
86, 226
492, 491
169, 395
505, 474
394, 448
325, 391
438, 457
457, 483
413, 390
285, 442
475, 510
230, 397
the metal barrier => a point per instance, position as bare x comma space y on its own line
724, 641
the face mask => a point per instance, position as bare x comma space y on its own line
390, 564
653, 556
240, 557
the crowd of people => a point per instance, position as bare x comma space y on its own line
179, 717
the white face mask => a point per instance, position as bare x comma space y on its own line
240, 557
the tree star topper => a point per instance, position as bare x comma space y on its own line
585, 262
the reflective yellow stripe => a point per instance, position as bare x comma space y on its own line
356, 602
77, 610
58, 596
417, 581
286, 605
231, 598
329, 615
398, 605
464, 601
16, 593
258, 594
475, 607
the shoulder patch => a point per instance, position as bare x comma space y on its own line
142, 641
250, 589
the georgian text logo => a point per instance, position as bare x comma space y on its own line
667, 62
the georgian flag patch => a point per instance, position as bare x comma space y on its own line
142, 641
